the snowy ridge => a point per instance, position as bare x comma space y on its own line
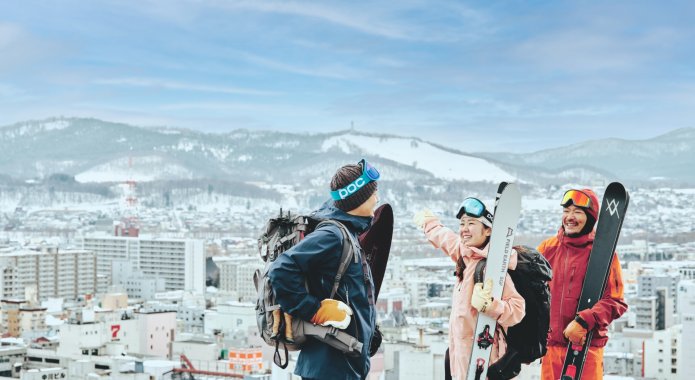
149, 168
33, 127
30, 151
420, 155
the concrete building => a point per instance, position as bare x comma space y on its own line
638, 249
661, 354
135, 282
181, 262
230, 317
418, 291
236, 276
650, 282
191, 318
654, 312
393, 300
55, 273
20, 318
11, 355
686, 359
143, 333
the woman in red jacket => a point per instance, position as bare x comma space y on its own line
568, 254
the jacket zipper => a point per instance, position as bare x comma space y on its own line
562, 297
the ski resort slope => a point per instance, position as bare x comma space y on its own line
441, 163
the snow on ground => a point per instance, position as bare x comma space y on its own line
422, 155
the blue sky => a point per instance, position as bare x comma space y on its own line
506, 76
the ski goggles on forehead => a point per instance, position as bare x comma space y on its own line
577, 198
369, 174
473, 207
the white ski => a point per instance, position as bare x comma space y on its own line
503, 228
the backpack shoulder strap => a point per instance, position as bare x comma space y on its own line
479, 267
347, 255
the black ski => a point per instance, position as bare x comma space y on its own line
610, 221
376, 244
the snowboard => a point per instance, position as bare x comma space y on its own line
507, 212
610, 221
376, 243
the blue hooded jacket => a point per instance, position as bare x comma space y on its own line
316, 259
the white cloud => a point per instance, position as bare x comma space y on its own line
173, 85
335, 71
354, 20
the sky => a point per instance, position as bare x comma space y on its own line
515, 76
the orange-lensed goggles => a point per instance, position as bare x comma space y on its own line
576, 197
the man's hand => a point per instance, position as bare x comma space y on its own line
333, 313
575, 332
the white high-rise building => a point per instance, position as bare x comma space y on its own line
135, 283
54, 273
661, 354
650, 282
181, 262
236, 276
686, 359
655, 312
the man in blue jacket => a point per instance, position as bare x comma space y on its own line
315, 260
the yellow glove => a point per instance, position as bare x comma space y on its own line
422, 217
482, 296
332, 313
575, 333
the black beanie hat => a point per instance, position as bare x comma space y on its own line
343, 177
590, 222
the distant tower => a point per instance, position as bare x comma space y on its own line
129, 224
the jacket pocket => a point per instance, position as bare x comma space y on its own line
571, 286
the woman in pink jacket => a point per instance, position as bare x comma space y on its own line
466, 248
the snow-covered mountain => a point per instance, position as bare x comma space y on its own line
441, 163
668, 158
99, 151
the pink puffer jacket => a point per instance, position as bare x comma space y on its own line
509, 311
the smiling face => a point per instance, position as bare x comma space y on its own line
573, 219
473, 232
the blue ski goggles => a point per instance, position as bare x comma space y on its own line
369, 174
474, 208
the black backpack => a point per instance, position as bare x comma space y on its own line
280, 234
526, 341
